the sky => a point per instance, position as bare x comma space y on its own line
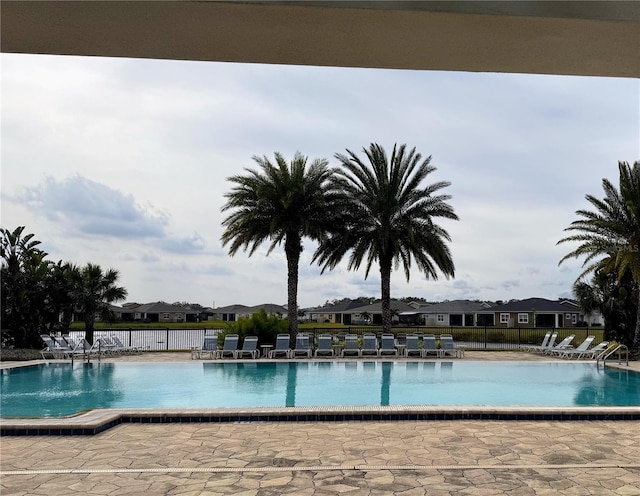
124, 163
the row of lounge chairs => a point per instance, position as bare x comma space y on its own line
65, 347
564, 349
325, 347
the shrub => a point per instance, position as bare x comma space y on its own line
266, 327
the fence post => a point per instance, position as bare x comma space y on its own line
519, 330
167, 341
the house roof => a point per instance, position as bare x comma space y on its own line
339, 308
244, 309
157, 307
537, 305
267, 307
400, 306
456, 306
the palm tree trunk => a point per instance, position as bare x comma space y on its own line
385, 289
292, 248
88, 330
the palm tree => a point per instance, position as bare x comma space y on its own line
22, 296
387, 216
279, 203
93, 292
610, 235
612, 298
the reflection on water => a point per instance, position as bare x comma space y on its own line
608, 387
64, 389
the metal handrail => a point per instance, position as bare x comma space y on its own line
606, 354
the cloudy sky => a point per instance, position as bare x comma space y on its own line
125, 163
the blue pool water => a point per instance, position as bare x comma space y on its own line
64, 389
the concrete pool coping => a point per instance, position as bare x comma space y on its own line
98, 420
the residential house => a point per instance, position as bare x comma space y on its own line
232, 313
333, 314
457, 313
158, 311
537, 312
372, 314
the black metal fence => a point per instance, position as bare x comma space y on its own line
486, 338
480, 338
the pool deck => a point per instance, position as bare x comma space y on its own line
461, 457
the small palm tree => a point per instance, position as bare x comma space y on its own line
93, 292
609, 237
387, 216
281, 204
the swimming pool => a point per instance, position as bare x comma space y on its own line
62, 389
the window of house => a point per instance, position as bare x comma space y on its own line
166, 316
574, 318
504, 318
523, 318
567, 316
440, 317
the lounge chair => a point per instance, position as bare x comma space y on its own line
51, 349
549, 345
229, 347
282, 346
429, 346
123, 347
108, 346
448, 347
209, 346
325, 346
388, 345
351, 346
594, 352
412, 346
369, 345
303, 347
571, 352
249, 347
564, 344
529, 347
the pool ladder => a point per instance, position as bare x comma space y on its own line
606, 354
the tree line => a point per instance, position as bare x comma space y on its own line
41, 296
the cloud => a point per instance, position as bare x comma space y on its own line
90, 208
87, 208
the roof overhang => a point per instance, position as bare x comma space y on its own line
596, 38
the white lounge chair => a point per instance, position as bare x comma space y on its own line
303, 347
545, 340
229, 347
351, 346
282, 347
209, 346
429, 346
571, 352
594, 352
562, 345
412, 346
448, 347
369, 345
550, 344
249, 347
325, 346
123, 347
51, 349
388, 345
